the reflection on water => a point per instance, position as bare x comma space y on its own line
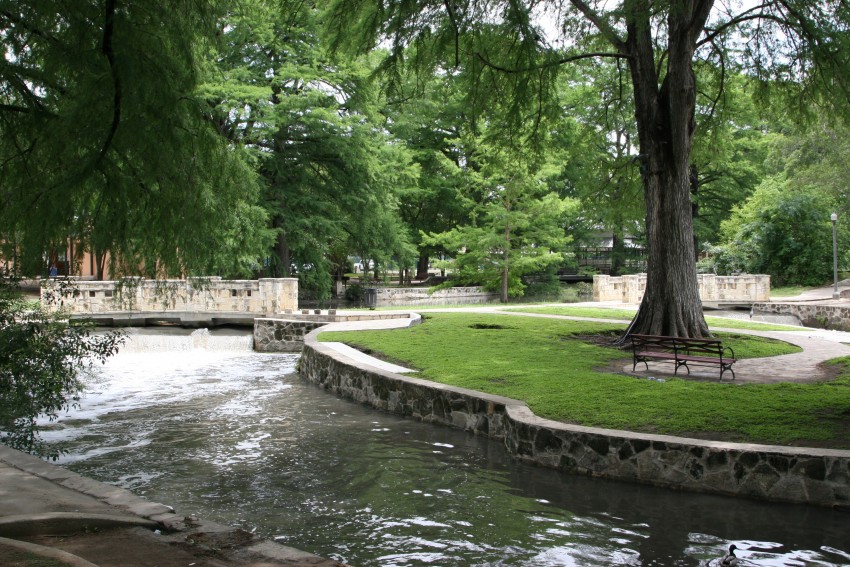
238, 438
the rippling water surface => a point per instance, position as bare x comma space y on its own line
203, 424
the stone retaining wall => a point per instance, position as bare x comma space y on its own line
630, 289
281, 335
287, 334
790, 474
395, 296
833, 317
263, 296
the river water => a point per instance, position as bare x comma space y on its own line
203, 424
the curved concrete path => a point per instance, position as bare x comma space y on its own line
818, 347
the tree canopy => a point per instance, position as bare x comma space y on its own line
790, 47
330, 173
516, 225
249, 138
784, 227
103, 140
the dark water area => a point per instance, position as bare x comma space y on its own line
205, 425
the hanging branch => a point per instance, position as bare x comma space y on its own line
106, 48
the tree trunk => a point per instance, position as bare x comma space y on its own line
694, 178
503, 291
100, 262
283, 255
422, 267
671, 305
618, 252
665, 119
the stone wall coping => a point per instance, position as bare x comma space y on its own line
811, 313
524, 413
630, 288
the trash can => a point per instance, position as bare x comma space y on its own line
370, 297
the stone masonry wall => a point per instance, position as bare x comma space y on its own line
390, 297
263, 296
630, 289
790, 474
833, 317
281, 335
287, 334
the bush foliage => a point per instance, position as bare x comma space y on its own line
41, 358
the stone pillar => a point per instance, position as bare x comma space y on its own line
601, 287
763, 288
634, 286
708, 287
278, 294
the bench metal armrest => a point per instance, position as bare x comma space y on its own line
730, 350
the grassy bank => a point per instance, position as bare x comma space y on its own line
559, 368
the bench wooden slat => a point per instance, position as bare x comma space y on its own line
657, 354
706, 359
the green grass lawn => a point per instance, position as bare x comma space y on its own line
628, 314
788, 291
552, 366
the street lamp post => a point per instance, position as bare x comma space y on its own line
835, 295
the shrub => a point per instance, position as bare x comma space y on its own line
41, 358
354, 293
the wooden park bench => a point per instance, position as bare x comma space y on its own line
682, 351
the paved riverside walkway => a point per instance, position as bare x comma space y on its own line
818, 346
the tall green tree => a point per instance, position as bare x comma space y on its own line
428, 116
784, 232
728, 160
784, 228
515, 228
103, 140
330, 172
594, 140
794, 46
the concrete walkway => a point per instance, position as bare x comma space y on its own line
818, 347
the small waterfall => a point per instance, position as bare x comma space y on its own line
166, 339
200, 339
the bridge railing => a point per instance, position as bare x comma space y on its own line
209, 294
630, 289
